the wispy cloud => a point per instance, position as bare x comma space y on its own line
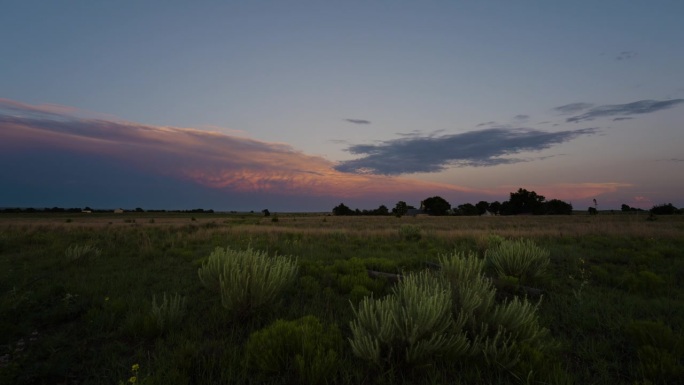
634, 108
572, 108
358, 121
521, 118
626, 55
211, 159
435, 153
490, 123
622, 118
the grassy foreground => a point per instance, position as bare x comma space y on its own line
81, 296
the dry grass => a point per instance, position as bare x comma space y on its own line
207, 225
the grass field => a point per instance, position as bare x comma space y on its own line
89, 298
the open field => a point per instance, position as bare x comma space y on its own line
77, 293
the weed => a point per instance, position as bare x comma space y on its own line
78, 252
169, 312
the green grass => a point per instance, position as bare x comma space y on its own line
614, 302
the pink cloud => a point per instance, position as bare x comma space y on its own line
234, 162
212, 159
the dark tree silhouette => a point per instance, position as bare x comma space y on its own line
523, 202
341, 209
467, 209
436, 206
400, 209
382, 210
557, 207
664, 209
482, 207
495, 207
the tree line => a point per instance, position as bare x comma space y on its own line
88, 209
521, 202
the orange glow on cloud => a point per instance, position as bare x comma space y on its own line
231, 162
212, 159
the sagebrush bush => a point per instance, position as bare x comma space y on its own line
497, 331
521, 259
303, 349
247, 280
77, 252
169, 312
472, 293
410, 326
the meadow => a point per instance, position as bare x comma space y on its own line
116, 299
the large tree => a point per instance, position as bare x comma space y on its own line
342, 210
557, 207
436, 206
382, 210
400, 209
523, 202
468, 209
482, 207
495, 207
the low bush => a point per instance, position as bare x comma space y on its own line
410, 232
660, 351
80, 252
304, 350
497, 331
521, 259
410, 326
169, 312
247, 280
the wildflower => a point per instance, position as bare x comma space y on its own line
133, 379
135, 367
106, 299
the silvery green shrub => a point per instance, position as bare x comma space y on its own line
410, 326
247, 279
521, 259
169, 312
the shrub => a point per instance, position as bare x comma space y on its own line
247, 280
409, 326
410, 232
660, 351
498, 331
473, 293
644, 281
303, 349
76, 252
521, 259
169, 312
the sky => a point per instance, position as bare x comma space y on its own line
302, 105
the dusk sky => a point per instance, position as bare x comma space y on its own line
298, 106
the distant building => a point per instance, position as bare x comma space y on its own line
118, 211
